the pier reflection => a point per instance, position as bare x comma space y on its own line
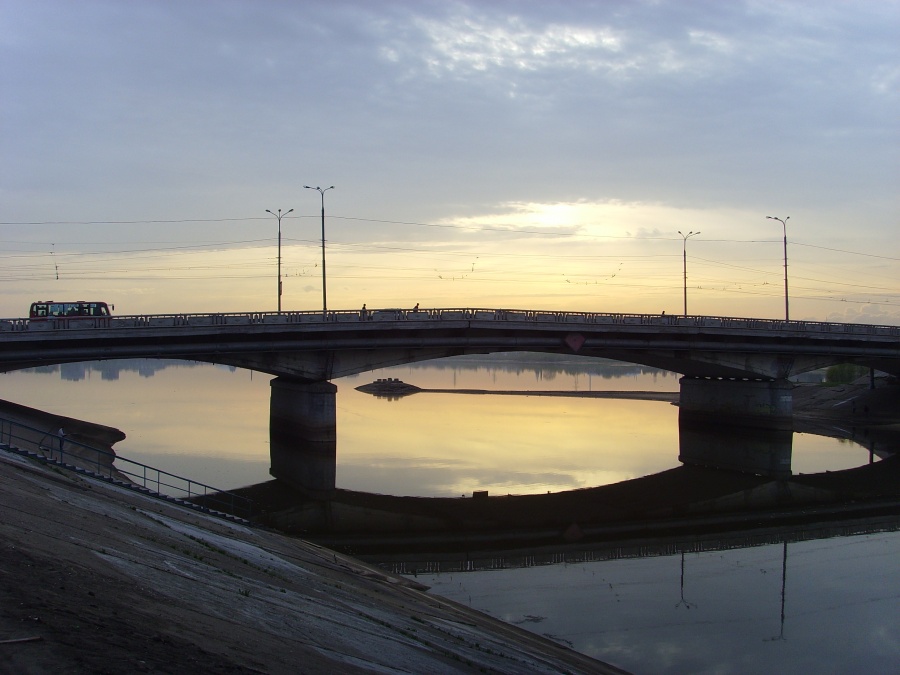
304, 453
731, 477
766, 452
303, 435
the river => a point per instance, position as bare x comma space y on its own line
818, 603
210, 423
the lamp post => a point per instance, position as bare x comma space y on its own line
684, 238
784, 227
279, 215
322, 192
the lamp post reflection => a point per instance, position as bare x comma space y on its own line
684, 603
780, 635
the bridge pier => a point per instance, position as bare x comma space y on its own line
764, 404
303, 435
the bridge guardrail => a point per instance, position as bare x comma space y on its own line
113, 467
448, 314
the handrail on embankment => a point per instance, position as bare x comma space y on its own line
111, 467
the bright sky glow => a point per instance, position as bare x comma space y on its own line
531, 155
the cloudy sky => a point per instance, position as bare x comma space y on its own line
522, 154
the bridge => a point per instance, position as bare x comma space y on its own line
735, 369
318, 347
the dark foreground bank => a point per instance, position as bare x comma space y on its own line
98, 579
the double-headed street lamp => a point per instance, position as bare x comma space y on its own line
322, 192
684, 238
784, 227
279, 215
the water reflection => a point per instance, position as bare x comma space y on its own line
836, 614
212, 423
692, 606
209, 423
766, 452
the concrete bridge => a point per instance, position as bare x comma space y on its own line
314, 347
735, 369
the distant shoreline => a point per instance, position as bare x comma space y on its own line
638, 395
397, 388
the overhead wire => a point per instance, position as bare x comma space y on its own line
82, 260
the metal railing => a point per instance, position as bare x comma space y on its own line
99, 463
441, 315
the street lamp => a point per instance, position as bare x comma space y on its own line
784, 227
279, 215
684, 238
322, 192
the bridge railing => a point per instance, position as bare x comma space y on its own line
113, 467
444, 315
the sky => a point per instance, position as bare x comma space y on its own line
610, 156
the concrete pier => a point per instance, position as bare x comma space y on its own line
754, 403
303, 435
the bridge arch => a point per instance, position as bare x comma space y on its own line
312, 347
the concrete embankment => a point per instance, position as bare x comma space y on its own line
95, 578
40, 429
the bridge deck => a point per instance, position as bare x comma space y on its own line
316, 345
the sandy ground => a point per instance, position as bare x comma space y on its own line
95, 578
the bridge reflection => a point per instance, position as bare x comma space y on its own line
760, 451
737, 476
303, 436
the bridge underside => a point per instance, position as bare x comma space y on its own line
320, 353
325, 365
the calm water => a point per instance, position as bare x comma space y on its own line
841, 595
210, 424
840, 607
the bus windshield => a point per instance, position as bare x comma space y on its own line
60, 310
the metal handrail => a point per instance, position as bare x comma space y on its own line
439, 315
114, 467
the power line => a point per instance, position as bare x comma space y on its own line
473, 227
839, 250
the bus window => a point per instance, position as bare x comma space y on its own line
97, 309
56, 310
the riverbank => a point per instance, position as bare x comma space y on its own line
98, 579
86, 444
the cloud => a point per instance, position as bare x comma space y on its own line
467, 126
